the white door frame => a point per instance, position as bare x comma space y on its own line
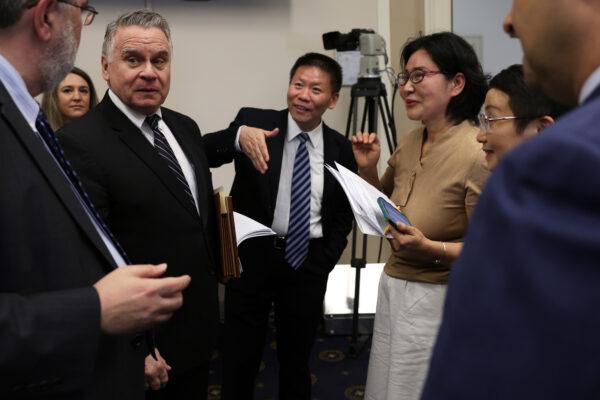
438, 16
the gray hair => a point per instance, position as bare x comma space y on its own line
11, 11
144, 18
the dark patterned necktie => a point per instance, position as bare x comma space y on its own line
47, 134
166, 152
298, 235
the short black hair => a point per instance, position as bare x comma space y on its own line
525, 102
324, 63
452, 54
11, 11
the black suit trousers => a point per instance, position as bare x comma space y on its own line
297, 297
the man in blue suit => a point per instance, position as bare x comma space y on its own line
521, 319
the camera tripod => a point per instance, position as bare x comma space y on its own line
375, 99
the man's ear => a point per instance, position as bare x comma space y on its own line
104, 64
334, 100
44, 17
544, 122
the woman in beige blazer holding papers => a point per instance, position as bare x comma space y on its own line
435, 177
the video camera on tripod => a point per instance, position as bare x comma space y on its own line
369, 43
368, 85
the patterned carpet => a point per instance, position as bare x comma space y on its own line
335, 375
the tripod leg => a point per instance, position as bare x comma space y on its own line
350, 113
392, 123
356, 345
390, 140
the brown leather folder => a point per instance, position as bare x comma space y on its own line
230, 262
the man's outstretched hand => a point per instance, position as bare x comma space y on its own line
253, 142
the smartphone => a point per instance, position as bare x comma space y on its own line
391, 213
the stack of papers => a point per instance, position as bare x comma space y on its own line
362, 197
246, 228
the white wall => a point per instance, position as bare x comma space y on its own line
234, 53
484, 18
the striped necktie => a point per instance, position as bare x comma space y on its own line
296, 248
164, 150
47, 134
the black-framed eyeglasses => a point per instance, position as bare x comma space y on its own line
415, 76
87, 12
486, 121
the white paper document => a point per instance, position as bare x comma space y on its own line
362, 197
246, 228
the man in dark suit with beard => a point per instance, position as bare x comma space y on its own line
145, 168
281, 182
68, 318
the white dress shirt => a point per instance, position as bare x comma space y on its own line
591, 83
315, 148
138, 120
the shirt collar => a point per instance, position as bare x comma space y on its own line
591, 83
314, 136
16, 88
134, 116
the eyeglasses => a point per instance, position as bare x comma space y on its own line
415, 76
486, 121
87, 12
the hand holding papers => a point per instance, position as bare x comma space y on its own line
363, 199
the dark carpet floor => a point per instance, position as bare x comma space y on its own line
335, 375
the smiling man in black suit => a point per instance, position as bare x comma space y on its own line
281, 182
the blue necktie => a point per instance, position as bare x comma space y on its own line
47, 134
296, 245
165, 151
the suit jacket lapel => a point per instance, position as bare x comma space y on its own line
275, 146
194, 157
51, 170
134, 139
331, 154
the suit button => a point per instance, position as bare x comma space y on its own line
137, 341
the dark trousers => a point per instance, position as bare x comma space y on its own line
297, 297
189, 385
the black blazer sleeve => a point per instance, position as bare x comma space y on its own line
220, 146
